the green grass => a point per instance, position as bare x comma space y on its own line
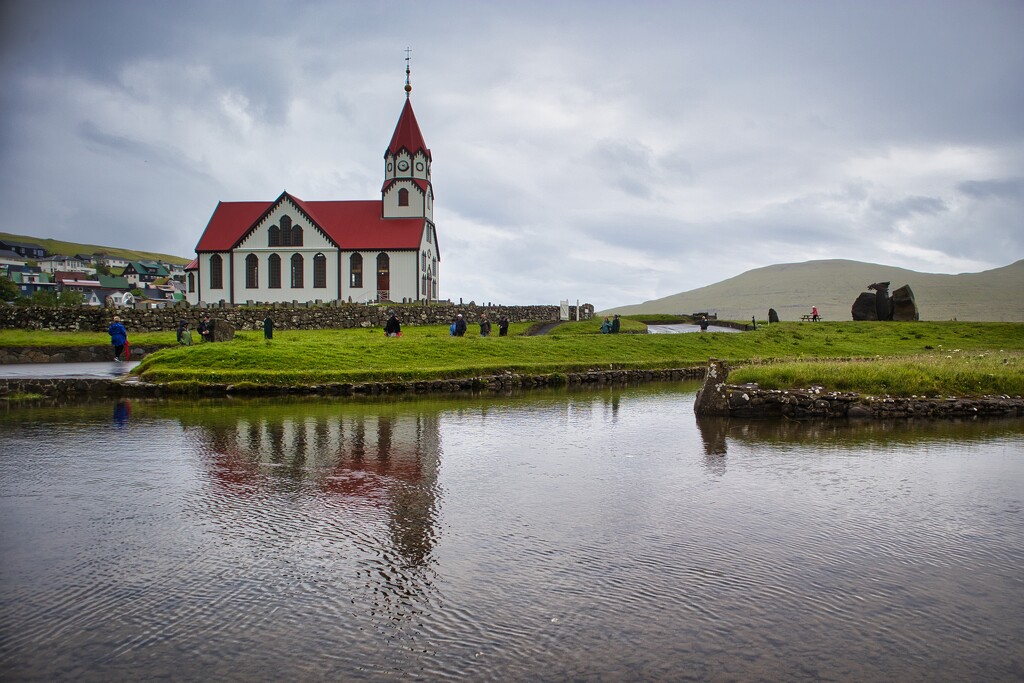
315, 357
49, 338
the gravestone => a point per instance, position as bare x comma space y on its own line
221, 330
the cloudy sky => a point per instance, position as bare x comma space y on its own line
610, 152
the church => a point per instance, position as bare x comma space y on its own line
364, 251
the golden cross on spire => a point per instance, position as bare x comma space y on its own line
408, 86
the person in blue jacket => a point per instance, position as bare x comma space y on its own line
118, 337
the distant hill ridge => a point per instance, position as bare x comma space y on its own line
53, 247
833, 285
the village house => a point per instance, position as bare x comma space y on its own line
292, 249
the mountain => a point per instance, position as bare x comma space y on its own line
53, 246
833, 285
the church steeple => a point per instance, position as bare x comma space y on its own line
407, 192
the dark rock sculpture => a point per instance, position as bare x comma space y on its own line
904, 307
773, 316
864, 307
881, 290
878, 305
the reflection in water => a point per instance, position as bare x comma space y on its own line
568, 535
122, 411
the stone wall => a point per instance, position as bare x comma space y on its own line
331, 315
718, 398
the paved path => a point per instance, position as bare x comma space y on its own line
72, 370
679, 329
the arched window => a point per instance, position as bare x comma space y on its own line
191, 283
403, 197
216, 272
274, 268
296, 235
423, 260
319, 271
355, 269
383, 277
297, 271
274, 236
286, 231
252, 271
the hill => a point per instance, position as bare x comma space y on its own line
833, 285
71, 248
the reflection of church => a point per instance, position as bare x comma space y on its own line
365, 463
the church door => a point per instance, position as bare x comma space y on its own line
383, 277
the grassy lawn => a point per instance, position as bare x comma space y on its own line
922, 358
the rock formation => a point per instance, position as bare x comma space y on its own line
877, 304
773, 316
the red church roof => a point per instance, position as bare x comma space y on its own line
407, 133
349, 224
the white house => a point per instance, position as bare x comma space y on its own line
291, 249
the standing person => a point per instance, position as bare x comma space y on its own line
703, 323
392, 328
118, 337
502, 326
485, 326
460, 326
268, 327
205, 329
615, 324
184, 334
814, 314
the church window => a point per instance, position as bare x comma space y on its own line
320, 271
355, 268
191, 283
252, 271
286, 231
274, 271
274, 236
423, 260
403, 197
383, 276
296, 235
216, 272
297, 265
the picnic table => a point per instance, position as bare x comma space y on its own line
809, 318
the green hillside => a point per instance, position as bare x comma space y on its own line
71, 248
833, 285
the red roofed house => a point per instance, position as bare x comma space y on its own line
290, 249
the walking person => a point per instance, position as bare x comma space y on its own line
205, 327
485, 326
118, 337
502, 326
460, 326
184, 334
615, 324
814, 314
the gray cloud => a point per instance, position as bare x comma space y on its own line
623, 152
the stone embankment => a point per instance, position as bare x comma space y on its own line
718, 398
505, 382
10, 355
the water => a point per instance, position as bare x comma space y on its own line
598, 536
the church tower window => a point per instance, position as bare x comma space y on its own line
403, 197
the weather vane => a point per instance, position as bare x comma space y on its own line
408, 87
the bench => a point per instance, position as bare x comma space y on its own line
809, 318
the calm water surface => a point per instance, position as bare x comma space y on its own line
592, 536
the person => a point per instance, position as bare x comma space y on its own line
392, 328
268, 327
460, 326
606, 326
184, 334
485, 326
205, 327
502, 326
814, 313
118, 337
615, 324
703, 323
